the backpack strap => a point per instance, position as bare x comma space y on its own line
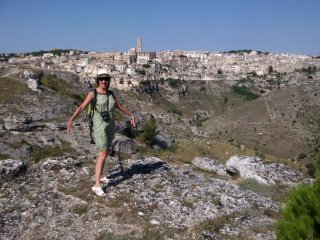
93, 102
112, 94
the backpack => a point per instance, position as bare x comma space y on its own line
91, 110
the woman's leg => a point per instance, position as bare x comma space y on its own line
99, 166
101, 172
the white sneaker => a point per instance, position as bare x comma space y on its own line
98, 190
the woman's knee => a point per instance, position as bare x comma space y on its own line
103, 155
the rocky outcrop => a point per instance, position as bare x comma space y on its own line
263, 171
211, 165
10, 169
146, 198
247, 167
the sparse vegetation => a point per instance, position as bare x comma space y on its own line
39, 153
259, 153
113, 236
276, 192
213, 225
200, 120
60, 87
4, 156
174, 83
6, 86
245, 92
79, 209
313, 166
141, 72
309, 70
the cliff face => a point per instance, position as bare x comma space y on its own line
46, 175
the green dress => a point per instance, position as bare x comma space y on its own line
103, 132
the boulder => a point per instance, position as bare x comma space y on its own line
123, 144
33, 84
28, 74
210, 165
163, 141
11, 168
262, 171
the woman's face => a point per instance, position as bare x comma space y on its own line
104, 82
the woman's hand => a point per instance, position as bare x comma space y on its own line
69, 126
133, 121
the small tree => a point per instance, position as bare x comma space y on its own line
270, 69
301, 216
149, 131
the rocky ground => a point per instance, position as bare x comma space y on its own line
46, 175
147, 198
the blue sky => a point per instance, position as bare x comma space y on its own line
289, 26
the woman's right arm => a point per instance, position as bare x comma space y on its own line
88, 99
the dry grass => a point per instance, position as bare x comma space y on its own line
7, 96
79, 209
275, 192
4, 156
186, 150
39, 154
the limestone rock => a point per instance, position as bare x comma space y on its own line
263, 171
11, 168
123, 144
61, 162
211, 165
163, 141
33, 85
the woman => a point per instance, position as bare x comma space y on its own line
103, 129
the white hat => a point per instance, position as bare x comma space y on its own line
103, 73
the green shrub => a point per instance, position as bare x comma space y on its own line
311, 169
141, 71
201, 120
245, 92
79, 209
313, 166
300, 219
174, 83
259, 153
149, 131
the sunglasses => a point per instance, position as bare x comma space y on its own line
104, 79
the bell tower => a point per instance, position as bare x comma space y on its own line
139, 45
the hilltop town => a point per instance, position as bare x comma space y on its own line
136, 65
